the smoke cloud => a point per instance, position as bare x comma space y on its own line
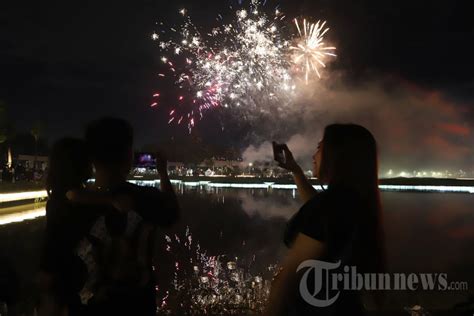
415, 129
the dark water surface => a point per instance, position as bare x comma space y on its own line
425, 232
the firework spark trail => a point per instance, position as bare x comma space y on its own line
246, 65
311, 50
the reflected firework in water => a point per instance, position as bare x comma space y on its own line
211, 284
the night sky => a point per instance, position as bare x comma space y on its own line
67, 62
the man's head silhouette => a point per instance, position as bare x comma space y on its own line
110, 144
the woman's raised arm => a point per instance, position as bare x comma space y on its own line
305, 189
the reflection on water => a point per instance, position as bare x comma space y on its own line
15, 216
204, 283
426, 232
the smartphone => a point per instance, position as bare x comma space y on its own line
278, 152
145, 160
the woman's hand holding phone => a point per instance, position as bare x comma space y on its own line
278, 152
284, 157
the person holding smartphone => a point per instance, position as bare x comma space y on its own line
117, 249
341, 223
112, 219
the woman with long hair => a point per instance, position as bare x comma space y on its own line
342, 225
69, 169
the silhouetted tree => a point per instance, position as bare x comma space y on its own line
6, 130
36, 132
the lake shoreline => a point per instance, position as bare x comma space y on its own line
33, 186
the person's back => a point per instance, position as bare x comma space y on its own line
117, 249
65, 224
326, 218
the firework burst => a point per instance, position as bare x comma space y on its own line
310, 51
245, 65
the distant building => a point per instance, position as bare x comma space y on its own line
176, 165
227, 163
